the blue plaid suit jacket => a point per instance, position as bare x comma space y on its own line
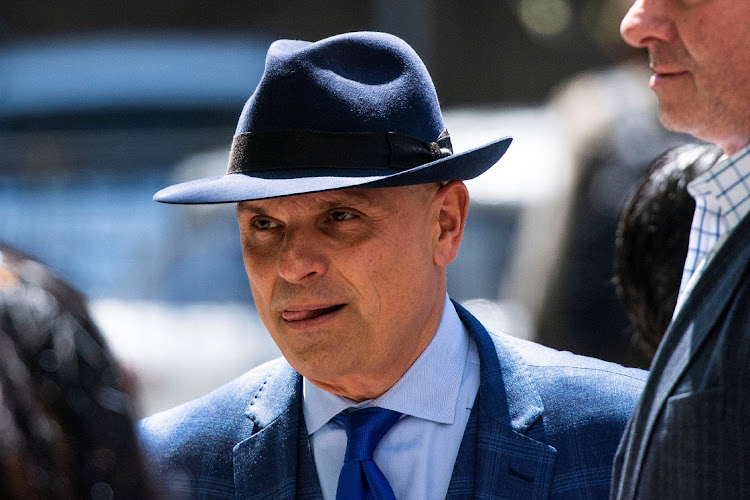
689, 436
545, 425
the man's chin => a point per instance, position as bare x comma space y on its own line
326, 377
318, 361
677, 119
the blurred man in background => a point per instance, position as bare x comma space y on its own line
688, 437
351, 205
611, 124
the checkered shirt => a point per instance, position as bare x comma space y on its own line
722, 199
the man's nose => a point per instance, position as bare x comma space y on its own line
648, 21
301, 258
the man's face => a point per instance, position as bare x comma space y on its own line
700, 55
349, 283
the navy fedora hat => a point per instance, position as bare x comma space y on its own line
353, 110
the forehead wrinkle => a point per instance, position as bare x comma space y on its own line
345, 196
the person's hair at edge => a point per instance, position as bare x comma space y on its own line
66, 429
652, 240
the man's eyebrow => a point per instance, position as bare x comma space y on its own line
245, 207
328, 200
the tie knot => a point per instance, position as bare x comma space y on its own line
364, 430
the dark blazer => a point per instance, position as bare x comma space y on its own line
545, 425
689, 437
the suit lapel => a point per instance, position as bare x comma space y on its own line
688, 333
509, 463
269, 464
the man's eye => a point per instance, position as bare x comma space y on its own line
264, 224
341, 216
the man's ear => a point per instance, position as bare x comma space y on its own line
453, 206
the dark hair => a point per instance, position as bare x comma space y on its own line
652, 240
66, 429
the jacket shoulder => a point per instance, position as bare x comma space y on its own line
225, 402
563, 379
196, 439
587, 403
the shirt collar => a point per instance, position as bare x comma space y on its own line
428, 390
724, 186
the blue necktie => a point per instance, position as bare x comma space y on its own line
360, 477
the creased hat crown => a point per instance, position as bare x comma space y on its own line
357, 82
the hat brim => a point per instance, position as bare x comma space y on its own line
232, 188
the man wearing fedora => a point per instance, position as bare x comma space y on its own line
351, 204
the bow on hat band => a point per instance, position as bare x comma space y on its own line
278, 150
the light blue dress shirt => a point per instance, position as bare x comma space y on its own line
435, 396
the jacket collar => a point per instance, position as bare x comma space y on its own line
266, 463
509, 406
508, 394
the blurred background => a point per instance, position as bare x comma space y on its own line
104, 103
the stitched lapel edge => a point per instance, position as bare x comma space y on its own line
265, 464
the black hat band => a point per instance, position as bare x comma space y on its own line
279, 150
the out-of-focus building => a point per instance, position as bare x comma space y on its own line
611, 123
479, 52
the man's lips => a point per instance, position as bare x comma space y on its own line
669, 73
666, 69
295, 314
663, 77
